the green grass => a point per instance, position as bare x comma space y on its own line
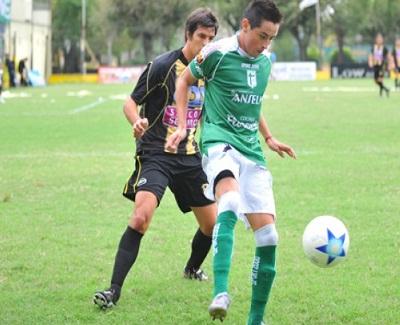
62, 213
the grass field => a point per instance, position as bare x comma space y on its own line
66, 152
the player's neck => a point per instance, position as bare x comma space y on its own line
242, 48
188, 53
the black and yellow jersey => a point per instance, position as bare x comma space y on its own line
155, 93
379, 55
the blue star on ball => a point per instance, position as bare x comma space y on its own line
334, 247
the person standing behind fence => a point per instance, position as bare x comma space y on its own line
22, 72
378, 60
396, 63
1, 82
11, 70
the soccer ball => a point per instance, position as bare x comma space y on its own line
326, 241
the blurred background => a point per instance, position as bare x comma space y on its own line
67, 40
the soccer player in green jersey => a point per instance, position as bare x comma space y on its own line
236, 71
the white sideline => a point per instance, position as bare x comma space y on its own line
65, 154
83, 108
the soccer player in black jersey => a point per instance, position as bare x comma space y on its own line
378, 60
396, 63
155, 166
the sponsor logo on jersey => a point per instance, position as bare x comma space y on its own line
196, 96
252, 78
252, 126
170, 117
244, 98
253, 66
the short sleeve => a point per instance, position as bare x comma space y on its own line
204, 64
148, 81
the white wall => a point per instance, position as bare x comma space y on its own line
29, 35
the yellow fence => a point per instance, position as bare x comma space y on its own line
73, 78
93, 77
323, 74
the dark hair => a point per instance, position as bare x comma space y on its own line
259, 10
200, 17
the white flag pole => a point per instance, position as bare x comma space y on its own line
308, 3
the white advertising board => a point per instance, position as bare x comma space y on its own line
114, 75
294, 71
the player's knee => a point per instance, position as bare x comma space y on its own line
206, 218
229, 201
207, 229
139, 221
266, 236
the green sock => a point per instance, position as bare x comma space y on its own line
223, 237
263, 274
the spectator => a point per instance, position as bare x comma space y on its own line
23, 72
11, 70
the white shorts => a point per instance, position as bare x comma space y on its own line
255, 181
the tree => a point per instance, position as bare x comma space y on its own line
66, 27
383, 17
107, 33
150, 20
231, 12
301, 24
347, 17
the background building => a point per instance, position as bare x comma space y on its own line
27, 33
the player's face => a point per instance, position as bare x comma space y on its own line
256, 40
200, 38
379, 39
398, 43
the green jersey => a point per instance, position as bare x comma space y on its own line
235, 84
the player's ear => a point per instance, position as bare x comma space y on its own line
245, 24
188, 37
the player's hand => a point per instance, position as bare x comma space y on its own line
174, 140
139, 127
280, 148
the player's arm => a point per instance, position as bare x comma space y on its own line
147, 83
273, 143
181, 98
390, 60
371, 58
131, 111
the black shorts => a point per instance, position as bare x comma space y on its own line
378, 72
182, 174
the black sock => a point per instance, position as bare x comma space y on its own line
396, 83
128, 250
200, 247
380, 84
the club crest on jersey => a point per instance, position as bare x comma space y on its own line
251, 78
199, 58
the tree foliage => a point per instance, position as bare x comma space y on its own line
150, 27
347, 16
150, 21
